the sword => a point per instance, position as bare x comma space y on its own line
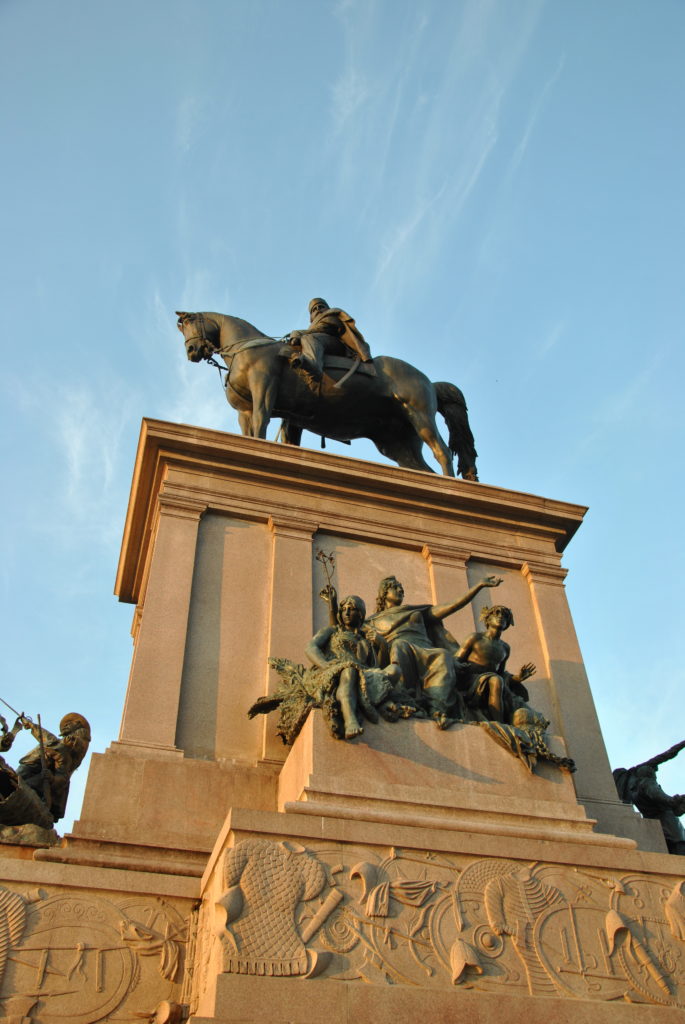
13, 710
355, 366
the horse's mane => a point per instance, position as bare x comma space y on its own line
237, 325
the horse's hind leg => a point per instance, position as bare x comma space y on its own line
404, 449
427, 432
290, 432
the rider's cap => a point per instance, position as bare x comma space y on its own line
74, 719
317, 302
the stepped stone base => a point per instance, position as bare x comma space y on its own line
411, 874
285, 1001
412, 773
490, 898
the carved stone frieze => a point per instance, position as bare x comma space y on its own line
72, 956
433, 920
266, 883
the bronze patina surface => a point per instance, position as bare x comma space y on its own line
36, 793
330, 332
638, 785
403, 662
387, 400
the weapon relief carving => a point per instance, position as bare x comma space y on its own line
433, 920
77, 957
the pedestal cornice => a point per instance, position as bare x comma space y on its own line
540, 572
415, 507
292, 526
444, 556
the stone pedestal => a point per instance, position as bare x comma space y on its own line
266, 1001
408, 873
219, 559
412, 774
339, 917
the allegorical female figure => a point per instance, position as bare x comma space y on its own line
347, 656
344, 679
420, 646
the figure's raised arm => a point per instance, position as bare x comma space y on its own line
441, 611
37, 731
330, 595
666, 756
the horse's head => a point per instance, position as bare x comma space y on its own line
199, 333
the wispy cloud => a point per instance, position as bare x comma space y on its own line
617, 408
464, 65
498, 220
551, 339
80, 428
535, 111
621, 404
400, 235
88, 432
430, 221
191, 118
350, 91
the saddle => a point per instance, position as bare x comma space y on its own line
343, 363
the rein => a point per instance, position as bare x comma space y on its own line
229, 352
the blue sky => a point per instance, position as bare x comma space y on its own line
494, 190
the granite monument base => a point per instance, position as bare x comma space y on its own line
409, 873
475, 892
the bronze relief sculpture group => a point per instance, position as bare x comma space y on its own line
36, 792
402, 662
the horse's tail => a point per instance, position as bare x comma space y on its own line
452, 405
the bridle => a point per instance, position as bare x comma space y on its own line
227, 353
199, 319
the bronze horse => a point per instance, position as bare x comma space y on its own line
395, 408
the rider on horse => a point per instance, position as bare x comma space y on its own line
331, 331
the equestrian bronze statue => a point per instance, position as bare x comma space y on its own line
384, 399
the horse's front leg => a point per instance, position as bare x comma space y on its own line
245, 423
263, 400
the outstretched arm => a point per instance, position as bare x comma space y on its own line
441, 611
667, 755
36, 730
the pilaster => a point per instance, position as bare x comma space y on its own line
290, 588
570, 690
152, 700
447, 568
